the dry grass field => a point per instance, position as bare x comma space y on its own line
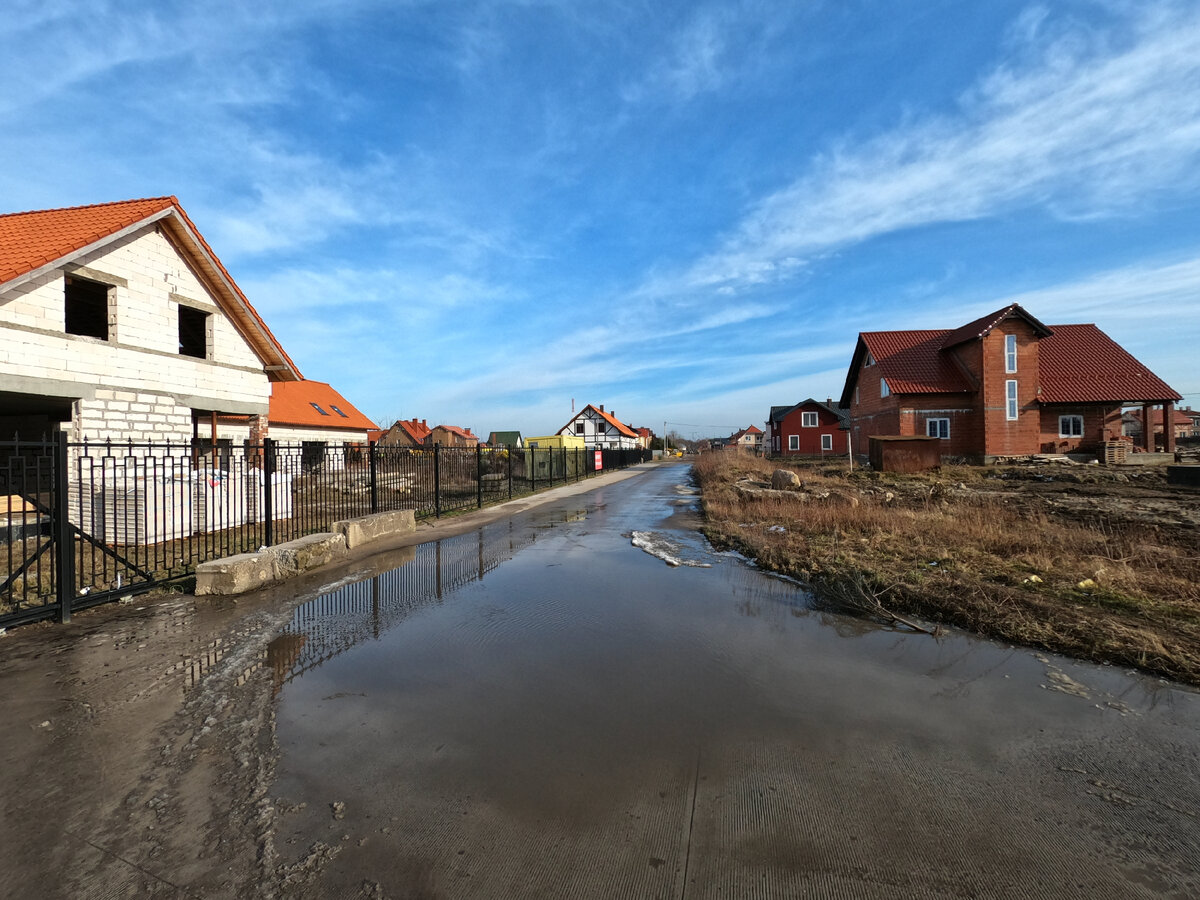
1088, 562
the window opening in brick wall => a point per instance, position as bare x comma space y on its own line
884, 390
793, 442
1010, 392
808, 420
938, 428
86, 307
193, 332
1070, 426
1010, 353
827, 442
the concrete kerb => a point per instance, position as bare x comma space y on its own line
246, 572
249, 571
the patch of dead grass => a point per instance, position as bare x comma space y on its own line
1009, 570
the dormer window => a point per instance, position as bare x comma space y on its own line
1010, 353
317, 408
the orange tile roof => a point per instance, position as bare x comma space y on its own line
609, 418
416, 431
292, 404
461, 432
31, 240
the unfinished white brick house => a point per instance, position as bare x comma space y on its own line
118, 321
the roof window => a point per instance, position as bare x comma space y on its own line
338, 411
317, 408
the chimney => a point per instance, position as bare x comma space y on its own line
601, 407
829, 401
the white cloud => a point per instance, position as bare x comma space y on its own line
1089, 130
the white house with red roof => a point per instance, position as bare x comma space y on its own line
119, 321
1003, 385
749, 439
600, 429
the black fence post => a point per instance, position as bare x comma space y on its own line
437, 484
533, 470
478, 476
64, 542
374, 477
508, 455
268, 471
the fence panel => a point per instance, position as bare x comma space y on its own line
85, 523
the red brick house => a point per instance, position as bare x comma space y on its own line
809, 428
1003, 385
406, 433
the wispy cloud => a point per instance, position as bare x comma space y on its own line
1095, 127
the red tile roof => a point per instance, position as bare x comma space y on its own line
912, 362
1077, 363
292, 404
31, 240
416, 431
461, 432
984, 324
1082, 364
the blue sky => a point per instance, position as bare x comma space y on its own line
477, 212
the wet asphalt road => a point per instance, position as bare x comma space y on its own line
542, 709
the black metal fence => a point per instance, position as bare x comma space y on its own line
82, 524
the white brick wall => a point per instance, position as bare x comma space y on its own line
139, 370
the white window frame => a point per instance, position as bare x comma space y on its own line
1066, 432
1010, 400
827, 442
1010, 353
809, 420
884, 390
933, 427
793, 442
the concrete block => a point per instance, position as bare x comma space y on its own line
236, 574
376, 527
308, 552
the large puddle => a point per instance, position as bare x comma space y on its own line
588, 701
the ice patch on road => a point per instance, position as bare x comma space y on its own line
670, 551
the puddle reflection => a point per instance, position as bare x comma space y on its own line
337, 621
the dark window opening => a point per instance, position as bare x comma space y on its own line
579, 428
86, 308
312, 454
193, 332
317, 408
338, 411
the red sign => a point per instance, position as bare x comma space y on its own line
599, 460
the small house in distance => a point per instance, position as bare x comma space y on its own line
510, 440
406, 433
451, 436
810, 428
1002, 385
601, 429
747, 439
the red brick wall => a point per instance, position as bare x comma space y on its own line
1003, 437
1100, 423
